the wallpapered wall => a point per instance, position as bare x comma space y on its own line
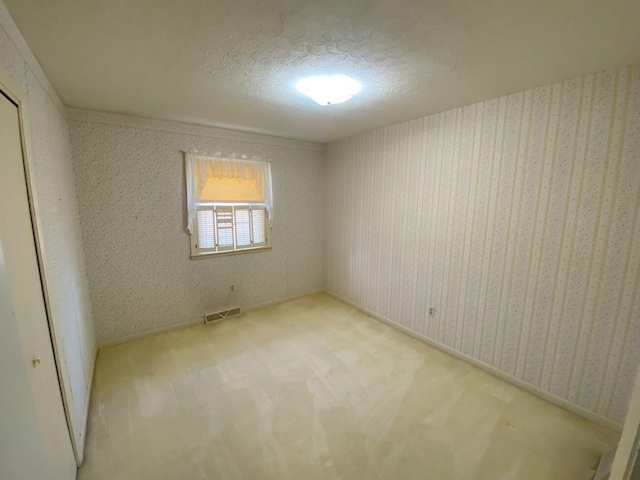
132, 198
57, 212
517, 219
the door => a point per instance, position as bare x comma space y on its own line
27, 297
626, 464
22, 453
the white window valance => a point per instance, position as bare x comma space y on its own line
226, 180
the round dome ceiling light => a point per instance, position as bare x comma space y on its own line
328, 90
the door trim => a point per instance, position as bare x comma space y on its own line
625, 459
18, 97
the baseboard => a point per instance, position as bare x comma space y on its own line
561, 402
282, 300
150, 333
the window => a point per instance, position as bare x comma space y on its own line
229, 205
224, 228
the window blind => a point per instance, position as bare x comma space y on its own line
206, 229
243, 227
258, 226
222, 228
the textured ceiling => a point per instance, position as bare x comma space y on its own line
234, 63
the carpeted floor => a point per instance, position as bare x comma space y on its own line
314, 389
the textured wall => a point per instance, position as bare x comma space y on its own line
57, 212
517, 218
133, 213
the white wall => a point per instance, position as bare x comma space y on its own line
57, 211
518, 219
132, 200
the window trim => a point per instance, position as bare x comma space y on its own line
193, 237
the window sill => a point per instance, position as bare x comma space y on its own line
230, 252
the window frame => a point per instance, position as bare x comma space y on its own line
197, 252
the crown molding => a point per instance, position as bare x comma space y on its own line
13, 32
106, 118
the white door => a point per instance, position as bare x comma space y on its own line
626, 464
26, 293
22, 453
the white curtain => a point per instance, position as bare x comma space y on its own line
204, 172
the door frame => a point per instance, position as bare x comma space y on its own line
625, 459
10, 89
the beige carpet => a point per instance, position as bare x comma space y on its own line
314, 389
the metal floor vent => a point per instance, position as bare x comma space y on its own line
221, 315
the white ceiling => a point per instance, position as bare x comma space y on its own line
234, 63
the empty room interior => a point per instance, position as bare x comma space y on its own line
357, 239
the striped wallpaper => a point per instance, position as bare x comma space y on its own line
517, 219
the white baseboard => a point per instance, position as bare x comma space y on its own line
561, 402
282, 300
150, 333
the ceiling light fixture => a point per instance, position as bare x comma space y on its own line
328, 90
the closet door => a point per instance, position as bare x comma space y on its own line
21, 267
626, 464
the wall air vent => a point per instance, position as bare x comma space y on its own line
221, 315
